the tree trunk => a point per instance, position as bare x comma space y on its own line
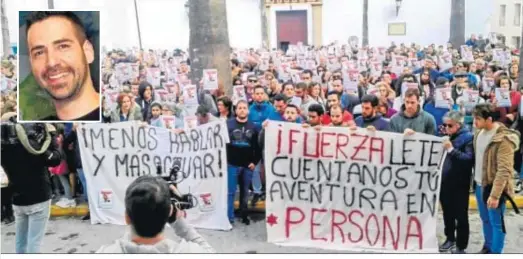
365, 38
6, 41
265, 33
209, 41
457, 23
50, 4
520, 67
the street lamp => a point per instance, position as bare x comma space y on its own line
398, 6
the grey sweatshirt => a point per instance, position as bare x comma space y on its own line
191, 242
421, 122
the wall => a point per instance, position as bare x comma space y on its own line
509, 30
168, 26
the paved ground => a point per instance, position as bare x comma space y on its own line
71, 235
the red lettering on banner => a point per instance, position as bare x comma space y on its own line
340, 144
356, 225
335, 224
386, 225
292, 140
364, 229
317, 146
288, 221
379, 149
419, 234
359, 147
325, 144
278, 151
313, 224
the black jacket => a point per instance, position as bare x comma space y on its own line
457, 167
28, 174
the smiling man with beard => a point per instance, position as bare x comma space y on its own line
60, 54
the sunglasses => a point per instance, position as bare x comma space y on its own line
448, 125
252, 81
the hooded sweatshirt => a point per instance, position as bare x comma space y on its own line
192, 242
259, 112
421, 122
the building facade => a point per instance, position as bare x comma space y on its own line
507, 20
165, 23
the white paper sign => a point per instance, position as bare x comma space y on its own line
443, 98
190, 95
114, 155
210, 79
503, 97
370, 194
238, 94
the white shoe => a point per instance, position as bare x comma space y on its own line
66, 203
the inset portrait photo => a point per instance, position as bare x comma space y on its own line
59, 66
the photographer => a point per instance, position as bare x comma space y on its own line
147, 208
27, 151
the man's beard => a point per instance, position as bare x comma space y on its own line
241, 117
76, 86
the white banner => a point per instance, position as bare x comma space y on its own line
114, 155
356, 191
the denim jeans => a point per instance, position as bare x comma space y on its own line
64, 181
256, 179
81, 175
31, 223
492, 224
521, 173
234, 174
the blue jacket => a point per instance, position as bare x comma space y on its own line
471, 43
457, 168
434, 74
348, 102
377, 121
259, 112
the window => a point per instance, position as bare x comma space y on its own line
517, 14
516, 41
502, 13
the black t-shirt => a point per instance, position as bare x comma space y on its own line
94, 115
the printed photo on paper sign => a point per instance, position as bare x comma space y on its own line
351, 79
153, 76
190, 122
8, 84
190, 95
238, 93
443, 98
210, 79
47, 90
167, 121
503, 97
470, 98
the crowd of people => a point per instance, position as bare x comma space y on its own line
398, 89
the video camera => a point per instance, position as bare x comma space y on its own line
11, 132
178, 200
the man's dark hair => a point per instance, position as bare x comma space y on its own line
279, 98
307, 71
372, 99
317, 108
39, 16
338, 94
484, 111
259, 87
412, 92
240, 102
286, 84
302, 85
148, 205
202, 110
291, 105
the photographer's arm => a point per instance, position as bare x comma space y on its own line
187, 232
54, 155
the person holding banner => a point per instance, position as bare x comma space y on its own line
455, 182
148, 208
411, 118
494, 146
370, 118
243, 156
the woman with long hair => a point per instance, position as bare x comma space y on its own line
124, 111
224, 108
